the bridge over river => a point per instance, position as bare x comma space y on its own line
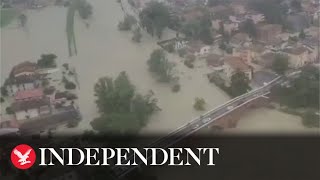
204, 121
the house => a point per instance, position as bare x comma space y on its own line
29, 94
268, 32
21, 83
24, 69
198, 49
32, 108
298, 56
232, 64
214, 61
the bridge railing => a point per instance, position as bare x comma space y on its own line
211, 112
178, 138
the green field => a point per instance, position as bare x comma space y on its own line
7, 15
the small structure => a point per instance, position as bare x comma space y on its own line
198, 49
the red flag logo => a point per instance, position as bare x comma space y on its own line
23, 156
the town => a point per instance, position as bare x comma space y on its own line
169, 68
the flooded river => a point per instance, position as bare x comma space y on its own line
105, 51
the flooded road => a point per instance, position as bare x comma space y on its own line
105, 51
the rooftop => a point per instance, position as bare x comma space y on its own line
20, 95
236, 63
24, 67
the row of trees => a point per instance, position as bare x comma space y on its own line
302, 92
121, 108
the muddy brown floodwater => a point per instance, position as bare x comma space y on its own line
105, 51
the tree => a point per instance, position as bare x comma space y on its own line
84, 9
137, 35
121, 109
302, 34
274, 10
212, 3
155, 17
311, 119
47, 61
127, 23
280, 64
302, 92
249, 27
239, 84
296, 4
23, 19
199, 30
199, 104
159, 64
4, 91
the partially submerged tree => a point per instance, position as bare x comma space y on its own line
127, 23
122, 110
23, 19
239, 84
155, 17
159, 64
137, 35
84, 9
199, 104
280, 64
47, 61
310, 119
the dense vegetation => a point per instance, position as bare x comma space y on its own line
280, 64
127, 23
122, 109
199, 30
199, 104
159, 64
47, 61
239, 84
274, 10
155, 18
302, 92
